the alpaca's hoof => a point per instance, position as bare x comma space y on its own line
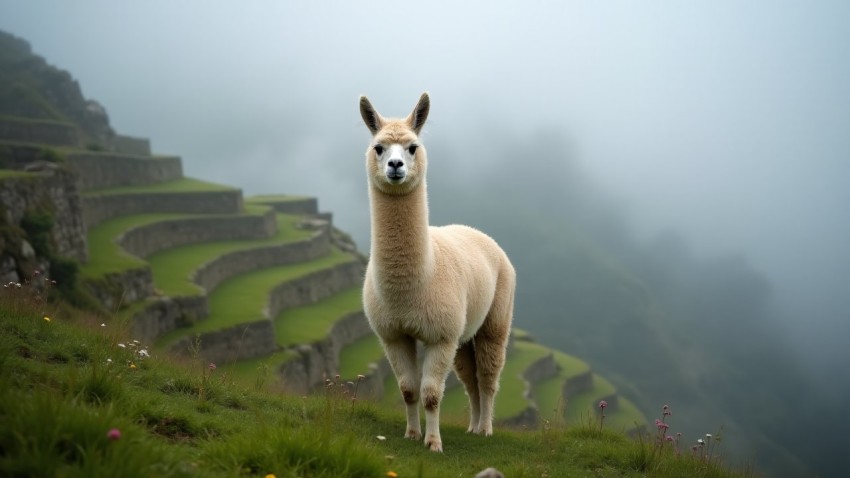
413, 434
434, 443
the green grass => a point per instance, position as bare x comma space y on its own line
355, 358
311, 323
183, 185
60, 397
264, 198
13, 173
172, 268
259, 372
241, 299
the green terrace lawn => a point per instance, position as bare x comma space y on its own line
241, 299
275, 198
183, 185
13, 173
355, 358
311, 323
108, 257
173, 268
548, 393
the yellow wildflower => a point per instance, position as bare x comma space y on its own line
392, 474
132, 365
46, 318
270, 475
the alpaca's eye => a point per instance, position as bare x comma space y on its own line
379, 149
412, 149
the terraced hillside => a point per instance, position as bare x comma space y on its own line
265, 287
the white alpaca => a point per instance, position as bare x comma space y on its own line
451, 287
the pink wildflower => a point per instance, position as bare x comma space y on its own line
661, 425
603, 404
113, 434
212, 366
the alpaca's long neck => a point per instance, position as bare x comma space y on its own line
401, 248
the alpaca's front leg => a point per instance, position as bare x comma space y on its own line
401, 353
435, 370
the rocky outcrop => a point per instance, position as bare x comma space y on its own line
101, 207
142, 241
104, 170
50, 189
229, 265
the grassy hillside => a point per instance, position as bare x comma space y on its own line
81, 399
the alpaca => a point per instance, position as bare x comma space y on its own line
450, 287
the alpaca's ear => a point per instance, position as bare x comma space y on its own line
417, 117
371, 117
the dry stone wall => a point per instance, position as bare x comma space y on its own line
51, 133
164, 314
314, 287
223, 267
240, 342
320, 360
98, 208
103, 170
131, 145
145, 240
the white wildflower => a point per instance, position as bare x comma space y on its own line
381, 437
122, 346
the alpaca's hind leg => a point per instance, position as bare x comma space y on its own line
490, 350
435, 369
465, 370
401, 354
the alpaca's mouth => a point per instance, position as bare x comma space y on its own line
395, 176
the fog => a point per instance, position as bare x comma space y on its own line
727, 122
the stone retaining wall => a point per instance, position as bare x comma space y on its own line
320, 360
240, 342
103, 170
123, 287
165, 314
131, 145
223, 267
52, 133
314, 287
298, 207
98, 208
578, 384
145, 240
541, 369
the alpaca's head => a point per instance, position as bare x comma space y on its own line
395, 160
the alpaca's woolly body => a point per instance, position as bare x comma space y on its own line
450, 287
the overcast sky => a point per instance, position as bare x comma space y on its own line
726, 120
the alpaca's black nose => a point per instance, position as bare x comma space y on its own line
395, 163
